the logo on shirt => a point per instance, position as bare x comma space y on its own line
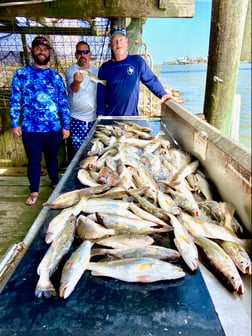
130, 70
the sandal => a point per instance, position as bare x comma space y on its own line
32, 199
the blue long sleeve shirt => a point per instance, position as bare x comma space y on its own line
38, 101
120, 95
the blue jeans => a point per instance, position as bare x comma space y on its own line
35, 144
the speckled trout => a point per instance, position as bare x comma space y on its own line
59, 247
150, 251
92, 76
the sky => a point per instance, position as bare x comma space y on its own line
170, 38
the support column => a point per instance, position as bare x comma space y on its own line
227, 28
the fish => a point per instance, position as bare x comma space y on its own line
185, 244
119, 211
204, 186
103, 174
140, 143
177, 158
139, 133
114, 193
167, 203
93, 191
96, 148
142, 178
210, 230
137, 270
183, 172
64, 200
107, 205
213, 209
125, 241
146, 215
104, 156
93, 77
185, 199
127, 225
88, 161
85, 178
238, 254
88, 229
57, 224
150, 207
151, 147
48, 265
74, 268
104, 138
149, 251
221, 262
126, 174
135, 126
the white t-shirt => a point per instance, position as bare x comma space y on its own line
82, 103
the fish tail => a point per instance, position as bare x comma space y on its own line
45, 289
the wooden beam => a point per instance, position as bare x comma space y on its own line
102, 8
12, 28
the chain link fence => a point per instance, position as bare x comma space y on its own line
63, 34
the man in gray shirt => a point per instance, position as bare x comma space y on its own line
81, 95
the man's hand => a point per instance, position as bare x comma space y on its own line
65, 133
168, 96
77, 80
78, 77
17, 131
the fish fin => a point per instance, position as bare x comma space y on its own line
46, 289
98, 251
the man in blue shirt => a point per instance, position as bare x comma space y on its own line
39, 114
123, 74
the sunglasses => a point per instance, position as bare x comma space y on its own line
79, 52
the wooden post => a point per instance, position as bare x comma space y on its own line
227, 28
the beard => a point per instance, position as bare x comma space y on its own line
40, 61
82, 61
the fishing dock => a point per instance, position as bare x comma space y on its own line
15, 216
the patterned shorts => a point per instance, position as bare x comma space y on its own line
79, 131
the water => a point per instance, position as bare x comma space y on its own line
190, 80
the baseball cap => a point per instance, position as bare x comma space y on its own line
116, 30
41, 40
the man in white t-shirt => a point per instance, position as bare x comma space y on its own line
81, 95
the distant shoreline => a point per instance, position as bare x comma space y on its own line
186, 61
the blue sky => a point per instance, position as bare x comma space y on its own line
170, 38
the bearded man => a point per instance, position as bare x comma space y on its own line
39, 113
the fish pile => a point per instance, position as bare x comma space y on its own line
137, 187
